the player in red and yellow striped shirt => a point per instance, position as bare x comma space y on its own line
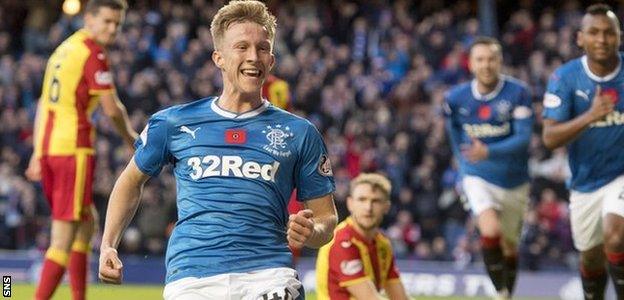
76, 80
358, 263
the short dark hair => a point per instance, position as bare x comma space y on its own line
486, 40
598, 9
93, 6
602, 9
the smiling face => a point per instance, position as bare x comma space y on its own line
245, 58
485, 63
367, 206
104, 24
599, 37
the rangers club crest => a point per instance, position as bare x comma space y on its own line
503, 110
278, 137
324, 167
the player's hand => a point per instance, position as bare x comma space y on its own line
111, 268
300, 228
476, 151
33, 172
602, 105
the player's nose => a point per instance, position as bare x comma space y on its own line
251, 55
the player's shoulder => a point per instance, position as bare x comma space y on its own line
289, 118
514, 86
80, 40
515, 82
565, 75
343, 233
572, 66
382, 239
182, 112
458, 91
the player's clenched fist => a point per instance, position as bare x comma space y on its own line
602, 104
300, 228
111, 268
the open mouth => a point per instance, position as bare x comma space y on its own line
255, 73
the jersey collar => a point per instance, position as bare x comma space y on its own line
492, 94
597, 78
230, 115
360, 237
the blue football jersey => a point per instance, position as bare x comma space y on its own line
502, 119
234, 175
595, 156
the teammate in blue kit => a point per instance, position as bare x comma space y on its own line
583, 110
236, 161
489, 122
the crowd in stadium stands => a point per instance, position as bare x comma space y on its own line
370, 76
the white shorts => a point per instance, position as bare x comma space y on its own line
587, 210
262, 284
510, 203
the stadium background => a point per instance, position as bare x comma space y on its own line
370, 74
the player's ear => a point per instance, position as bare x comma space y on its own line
217, 58
470, 65
349, 201
579, 39
272, 62
88, 19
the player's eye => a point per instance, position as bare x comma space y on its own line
592, 31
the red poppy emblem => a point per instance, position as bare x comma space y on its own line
485, 112
612, 94
235, 136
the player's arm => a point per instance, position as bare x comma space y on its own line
33, 172
557, 134
116, 112
393, 286
454, 134
365, 290
313, 226
395, 290
519, 139
122, 206
325, 219
453, 131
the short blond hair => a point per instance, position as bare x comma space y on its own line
238, 11
376, 180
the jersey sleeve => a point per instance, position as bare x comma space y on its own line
557, 99
151, 148
524, 108
345, 263
452, 128
314, 176
97, 75
393, 273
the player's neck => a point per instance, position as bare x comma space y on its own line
90, 34
603, 68
485, 89
239, 103
369, 235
